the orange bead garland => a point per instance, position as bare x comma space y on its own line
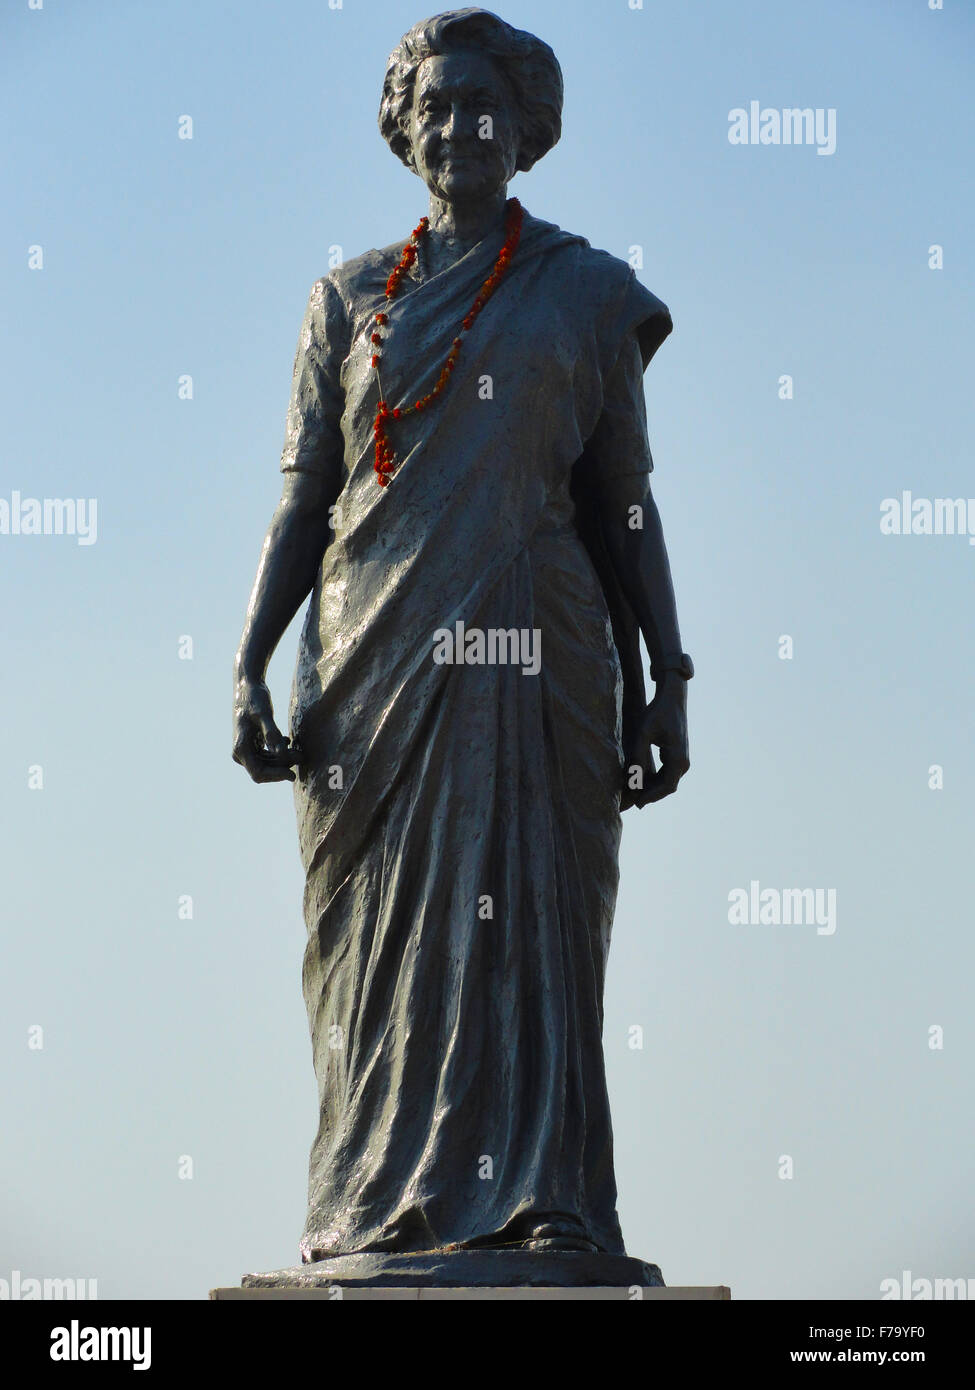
386, 460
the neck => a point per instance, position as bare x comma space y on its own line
466, 224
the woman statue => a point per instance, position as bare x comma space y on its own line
466, 500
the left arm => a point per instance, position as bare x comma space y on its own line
634, 540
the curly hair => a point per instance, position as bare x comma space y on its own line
530, 66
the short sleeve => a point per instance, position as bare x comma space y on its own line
313, 441
619, 445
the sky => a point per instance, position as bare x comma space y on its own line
797, 1122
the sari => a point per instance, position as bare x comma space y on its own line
459, 824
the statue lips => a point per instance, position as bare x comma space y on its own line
463, 162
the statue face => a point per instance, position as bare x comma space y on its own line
460, 156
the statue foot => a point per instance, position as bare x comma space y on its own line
556, 1237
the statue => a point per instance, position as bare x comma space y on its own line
466, 500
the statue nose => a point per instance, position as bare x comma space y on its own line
457, 127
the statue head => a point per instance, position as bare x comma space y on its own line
468, 101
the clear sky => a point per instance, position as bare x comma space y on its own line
167, 1037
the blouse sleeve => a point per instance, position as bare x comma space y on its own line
313, 441
619, 445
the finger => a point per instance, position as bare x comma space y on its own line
286, 756
274, 739
672, 768
261, 768
658, 789
270, 772
258, 763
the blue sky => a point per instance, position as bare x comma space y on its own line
166, 1037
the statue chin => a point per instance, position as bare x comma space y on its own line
465, 191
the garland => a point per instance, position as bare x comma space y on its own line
386, 460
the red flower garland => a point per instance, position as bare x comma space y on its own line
386, 460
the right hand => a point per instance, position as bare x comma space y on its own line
259, 745
664, 726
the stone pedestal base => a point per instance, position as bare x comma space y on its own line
536, 1294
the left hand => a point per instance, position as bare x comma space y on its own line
664, 725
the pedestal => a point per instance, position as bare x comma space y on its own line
340, 1293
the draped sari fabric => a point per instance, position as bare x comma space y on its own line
459, 823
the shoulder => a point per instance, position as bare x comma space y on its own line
622, 303
613, 278
335, 300
601, 269
326, 320
605, 286
362, 277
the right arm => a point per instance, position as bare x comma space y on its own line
290, 557
298, 534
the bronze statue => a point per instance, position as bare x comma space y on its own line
467, 502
